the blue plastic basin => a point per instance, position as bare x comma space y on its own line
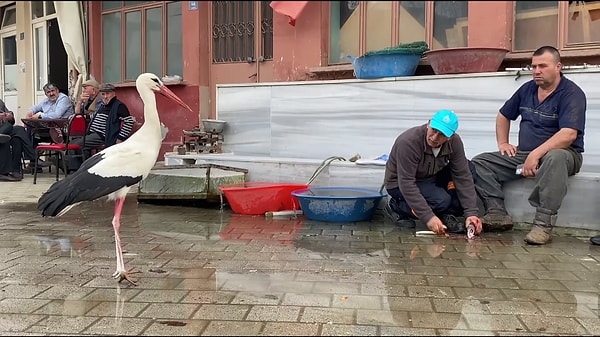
338, 204
386, 65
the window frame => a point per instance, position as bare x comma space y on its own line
4, 10
142, 8
395, 26
566, 49
563, 46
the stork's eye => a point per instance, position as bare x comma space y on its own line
155, 80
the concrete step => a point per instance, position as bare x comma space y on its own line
185, 182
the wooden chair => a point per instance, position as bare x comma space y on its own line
75, 128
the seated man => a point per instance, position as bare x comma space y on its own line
89, 100
111, 124
14, 144
428, 176
552, 109
55, 105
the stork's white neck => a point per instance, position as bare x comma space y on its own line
151, 119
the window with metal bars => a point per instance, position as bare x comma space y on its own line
234, 31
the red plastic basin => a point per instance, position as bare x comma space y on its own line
465, 60
254, 198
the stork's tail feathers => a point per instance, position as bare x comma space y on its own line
56, 201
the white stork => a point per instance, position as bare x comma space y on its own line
112, 171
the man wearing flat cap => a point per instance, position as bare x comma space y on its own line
89, 100
112, 123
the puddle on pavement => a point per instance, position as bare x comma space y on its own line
205, 255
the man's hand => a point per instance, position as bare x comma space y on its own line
436, 225
29, 115
507, 149
531, 164
476, 221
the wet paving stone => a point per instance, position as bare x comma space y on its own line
209, 272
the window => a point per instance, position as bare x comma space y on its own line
9, 16
9, 53
583, 22
344, 35
361, 26
379, 24
411, 21
537, 23
174, 39
233, 31
141, 36
40, 9
450, 24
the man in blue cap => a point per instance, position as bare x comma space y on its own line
429, 178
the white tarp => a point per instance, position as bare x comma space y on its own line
71, 23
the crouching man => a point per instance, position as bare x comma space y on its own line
429, 178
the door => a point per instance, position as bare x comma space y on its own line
9, 72
57, 58
242, 44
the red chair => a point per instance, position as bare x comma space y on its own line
75, 128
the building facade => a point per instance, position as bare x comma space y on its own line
32, 53
212, 42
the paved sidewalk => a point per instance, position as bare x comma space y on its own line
25, 190
210, 272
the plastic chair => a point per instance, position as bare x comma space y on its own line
75, 127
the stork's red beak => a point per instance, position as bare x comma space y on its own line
169, 94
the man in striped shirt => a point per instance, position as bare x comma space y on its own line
110, 124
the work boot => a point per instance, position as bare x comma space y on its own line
396, 219
539, 235
541, 232
453, 224
496, 220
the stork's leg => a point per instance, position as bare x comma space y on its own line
121, 273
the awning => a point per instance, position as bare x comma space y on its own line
290, 8
72, 26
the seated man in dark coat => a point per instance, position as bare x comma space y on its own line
110, 124
15, 144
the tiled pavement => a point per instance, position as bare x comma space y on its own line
207, 272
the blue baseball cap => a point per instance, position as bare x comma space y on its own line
445, 121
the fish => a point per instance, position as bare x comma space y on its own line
470, 231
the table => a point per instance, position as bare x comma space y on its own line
52, 128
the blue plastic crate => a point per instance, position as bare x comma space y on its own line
385, 65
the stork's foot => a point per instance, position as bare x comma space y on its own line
121, 275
